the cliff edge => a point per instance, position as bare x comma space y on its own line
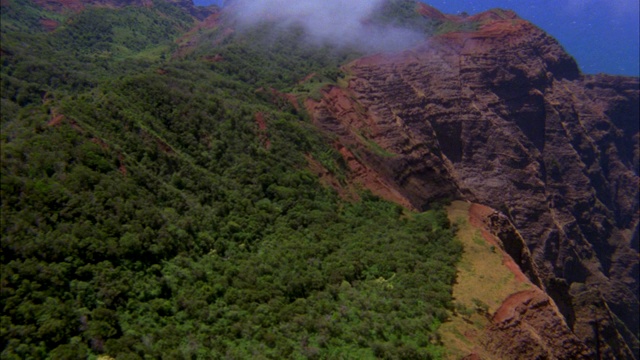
502, 116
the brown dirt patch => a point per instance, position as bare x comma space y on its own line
290, 98
307, 78
328, 179
508, 308
262, 130
370, 179
188, 41
55, 120
161, 144
433, 13
49, 24
122, 167
100, 143
213, 59
262, 125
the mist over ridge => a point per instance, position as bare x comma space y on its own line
336, 22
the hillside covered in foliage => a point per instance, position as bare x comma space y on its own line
157, 202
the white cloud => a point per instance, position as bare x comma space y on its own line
339, 22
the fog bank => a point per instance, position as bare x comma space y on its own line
336, 22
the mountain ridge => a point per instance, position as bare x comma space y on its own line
489, 109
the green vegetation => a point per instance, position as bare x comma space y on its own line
374, 147
92, 46
451, 26
24, 17
402, 13
144, 216
268, 56
484, 280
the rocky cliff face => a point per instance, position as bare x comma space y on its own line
502, 116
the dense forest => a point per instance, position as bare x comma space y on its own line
157, 204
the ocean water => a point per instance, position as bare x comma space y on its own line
602, 35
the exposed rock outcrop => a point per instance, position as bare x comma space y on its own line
527, 326
502, 116
514, 245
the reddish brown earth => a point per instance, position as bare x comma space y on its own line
214, 59
284, 101
307, 78
100, 143
502, 116
433, 13
191, 38
262, 130
529, 326
526, 324
161, 145
56, 119
49, 24
328, 179
122, 168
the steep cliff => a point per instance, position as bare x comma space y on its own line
502, 116
501, 312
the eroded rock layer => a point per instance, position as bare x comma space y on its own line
502, 116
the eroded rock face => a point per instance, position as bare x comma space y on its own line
502, 116
527, 326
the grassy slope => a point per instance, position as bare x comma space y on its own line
483, 282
